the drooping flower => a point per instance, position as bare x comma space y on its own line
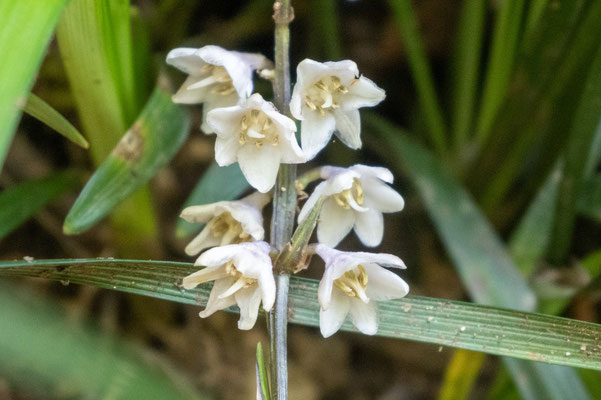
356, 197
227, 222
351, 284
256, 135
243, 276
217, 77
326, 98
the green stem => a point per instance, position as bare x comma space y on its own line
284, 206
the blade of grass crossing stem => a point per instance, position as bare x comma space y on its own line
443, 322
477, 252
460, 375
502, 57
44, 112
217, 184
422, 75
40, 362
22, 201
466, 67
147, 146
530, 239
27, 27
581, 137
95, 45
262, 374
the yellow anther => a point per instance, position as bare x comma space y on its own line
268, 124
275, 140
254, 115
342, 89
353, 283
335, 105
259, 144
353, 194
320, 85
242, 138
243, 123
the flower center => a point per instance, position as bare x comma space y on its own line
218, 77
350, 198
257, 128
325, 94
353, 283
240, 282
229, 229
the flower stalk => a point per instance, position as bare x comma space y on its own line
284, 205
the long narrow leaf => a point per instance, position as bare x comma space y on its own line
20, 202
422, 74
449, 323
466, 68
581, 137
44, 112
27, 27
147, 146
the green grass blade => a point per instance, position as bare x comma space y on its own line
75, 360
262, 373
147, 146
422, 75
530, 239
20, 202
589, 200
217, 184
535, 12
581, 137
460, 375
466, 68
500, 64
443, 322
27, 26
44, 112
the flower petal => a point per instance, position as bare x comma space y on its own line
316, 131
248, 301
331, 320
215, 303
364, 316
310, 203
379, 196
368, 171
218, 255
362, 93
202, 276
369, 227
201, 213
185, 59
348, 127
334, 224
384, 284
184, 95
203, 240
259, 165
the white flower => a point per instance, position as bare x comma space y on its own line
228, 222
356, 197
242, 274
217, 77
350, 281
326, 98
258, 137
